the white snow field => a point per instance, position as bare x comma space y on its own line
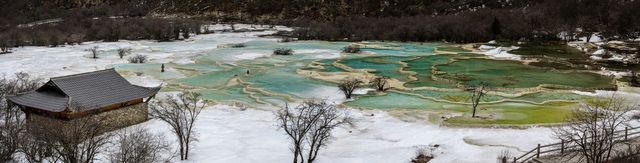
231, 135
228, 134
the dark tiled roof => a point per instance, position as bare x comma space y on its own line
45, 100
90, 90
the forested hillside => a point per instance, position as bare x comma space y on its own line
354, 20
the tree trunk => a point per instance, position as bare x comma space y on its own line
186, 152
181, 149
473, 114
295, 154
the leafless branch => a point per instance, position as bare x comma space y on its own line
309, 127
347, 86
180, 112
140, 146
380, 83
11, 118
477, 92
592, 128
123, 52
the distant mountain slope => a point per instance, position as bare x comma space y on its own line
249, 9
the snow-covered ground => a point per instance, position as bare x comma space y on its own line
228, 134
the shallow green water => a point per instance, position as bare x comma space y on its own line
329, 67
511, 74
388, 66
423, 69
394, 100
269, 79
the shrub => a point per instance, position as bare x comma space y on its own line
351, 49
123, 51
138, 59
141, 146
283, 51
94, 52
238, 45
5, 49
504, 156
424, 154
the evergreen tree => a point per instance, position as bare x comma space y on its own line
496, 28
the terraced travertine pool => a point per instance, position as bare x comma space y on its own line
428, 77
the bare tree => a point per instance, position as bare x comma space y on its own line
592, 129
504, 156
347, 86
94, 52
11, 118
180, 112
185, 33
123, 52
35, 149
138, 59
140, 146
309, 126
75, 141
630, 153
5, 47
477, 92
380, 83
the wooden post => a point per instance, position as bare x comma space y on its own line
626, 131
562, 146
514, 159
538, 153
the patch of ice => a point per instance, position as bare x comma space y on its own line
595, 38
599, 52
331, 94
362, 91
631, 97
595, 57
308, 51
328, 56
486, 47
249, 56
584, 93
502, 53
144, 80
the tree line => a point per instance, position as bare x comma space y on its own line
546, 20
353, 20
75, 31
